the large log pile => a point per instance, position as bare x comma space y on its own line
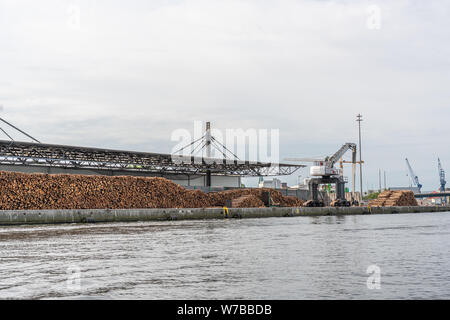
247, 201
62, 191
43, 191
220, 198
397, 198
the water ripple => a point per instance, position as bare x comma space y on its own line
275, 258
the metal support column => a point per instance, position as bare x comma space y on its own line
208, 151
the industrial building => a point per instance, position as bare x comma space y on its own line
187, 171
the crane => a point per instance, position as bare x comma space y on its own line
441, 176
414, 178
324, 172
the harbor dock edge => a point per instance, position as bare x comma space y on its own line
21, 217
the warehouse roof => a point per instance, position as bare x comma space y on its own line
63, 156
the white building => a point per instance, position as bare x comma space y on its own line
274, 183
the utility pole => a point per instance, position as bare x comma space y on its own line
385, 181
379, 180
359, 119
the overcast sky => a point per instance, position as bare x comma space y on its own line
126, 74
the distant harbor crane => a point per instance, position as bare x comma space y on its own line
414, 178
441, 176
442, 180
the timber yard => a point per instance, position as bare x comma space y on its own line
48, 183
233, 152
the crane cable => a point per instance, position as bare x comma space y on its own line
21, 131
6, 134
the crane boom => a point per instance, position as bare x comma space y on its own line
335, 157
441, 176
326, 167
414, 178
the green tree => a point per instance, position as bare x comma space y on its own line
371, 196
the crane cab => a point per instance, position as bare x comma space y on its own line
321, 169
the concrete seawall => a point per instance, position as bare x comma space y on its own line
18, 217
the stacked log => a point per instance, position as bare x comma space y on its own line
397, 198
43, 191
247, 201
219, 198
22, 191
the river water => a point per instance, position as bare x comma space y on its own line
407, 256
